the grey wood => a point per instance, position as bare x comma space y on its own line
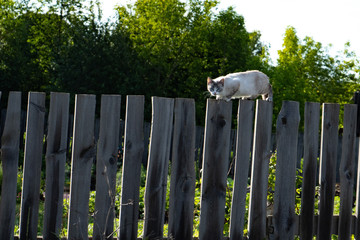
83, 153
287, 126
9, 160
347, 170
311, 150
106, 167
156, 179
30, 195
214, 169
55, 158
133, 153
245, 121
260, 170
183, 177
328, 151
357, 213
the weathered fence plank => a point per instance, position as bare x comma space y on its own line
183, 177
133, 152
242, 161
347, 171
328, 151
356, 99
260, 170
158, 162
106, 167
311, 149
55, 163
214, 170
83, 152
9, 158
357, 213
287, 127
30, 195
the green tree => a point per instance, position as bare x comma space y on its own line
181, 44
306, 72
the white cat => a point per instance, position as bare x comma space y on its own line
245, 85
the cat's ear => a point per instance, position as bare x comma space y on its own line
209, 80
222, 81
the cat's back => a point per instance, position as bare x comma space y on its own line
253, 75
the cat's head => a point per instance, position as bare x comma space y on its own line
215, 87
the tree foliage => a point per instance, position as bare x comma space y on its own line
156, 47
307, 73
183, 44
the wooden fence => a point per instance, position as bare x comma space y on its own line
173, 138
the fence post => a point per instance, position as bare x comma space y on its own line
182, 185
10, 158
55, 163
347, 171
32, 166
214, 170
311, 149
357, 101
106, 167
83, 152
327, 178
245, 121
260, 170
133, 153
158, 162
287, 127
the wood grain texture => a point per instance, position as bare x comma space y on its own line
287, 126
30, 195
9, 160
106, 167
55, 158
260, 170
83, 153
133, 153
327, 178
183, 177
347, 172
158, 162
245, 121
311, 150
214, 170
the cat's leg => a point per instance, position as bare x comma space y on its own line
228, 97
252, 97
268, 96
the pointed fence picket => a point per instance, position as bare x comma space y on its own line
173, 140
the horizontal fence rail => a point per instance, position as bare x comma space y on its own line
174, 151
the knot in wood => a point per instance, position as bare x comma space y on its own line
283, 120
112, 160
219, 121
348, 175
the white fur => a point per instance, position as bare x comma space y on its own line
244, 85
